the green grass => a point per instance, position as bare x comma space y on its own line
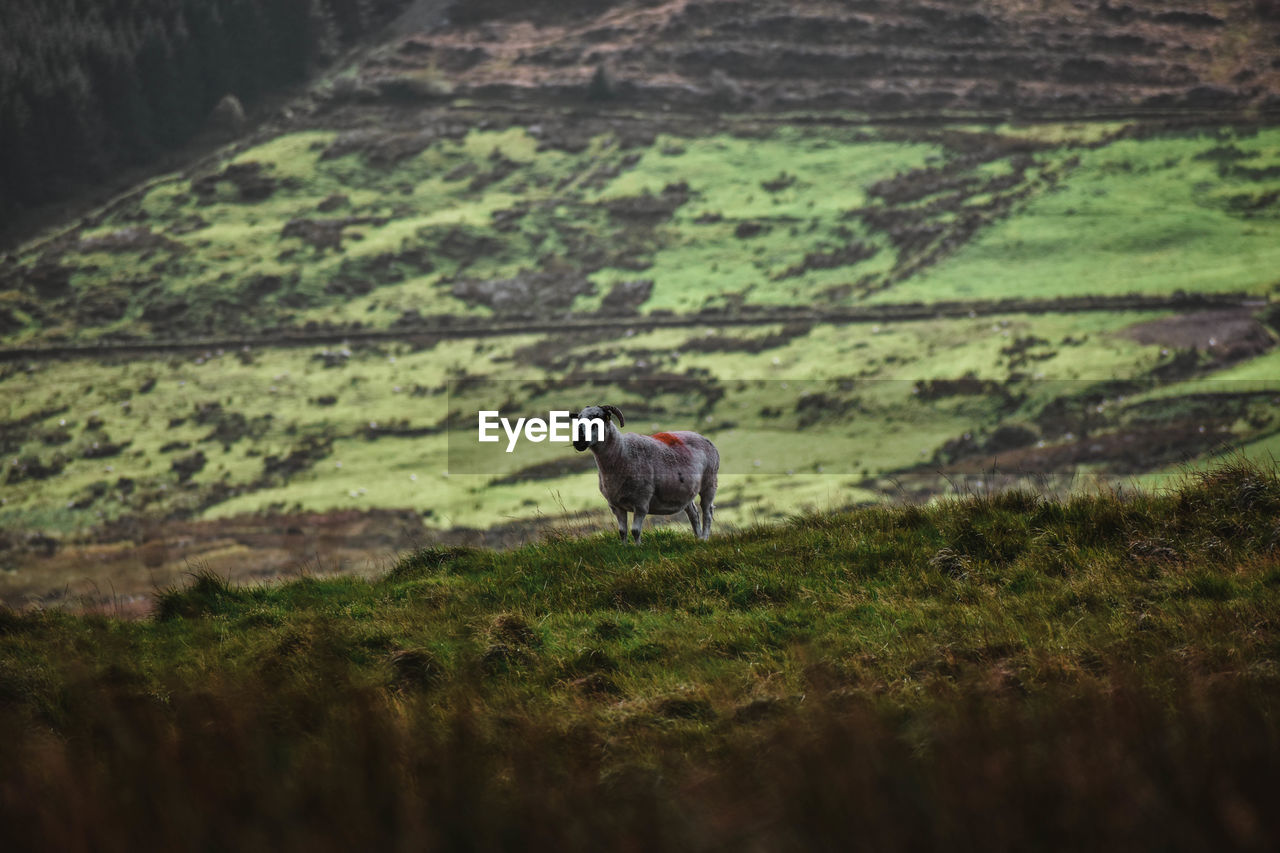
1052, 211
278, 393
1134, 216
271, 404
960, 651
1056, 210
700, 263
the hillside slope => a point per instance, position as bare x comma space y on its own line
860, 289
1058, 58
992, 673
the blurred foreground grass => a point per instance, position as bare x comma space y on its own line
995, 672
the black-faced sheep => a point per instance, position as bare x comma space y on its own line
657, 474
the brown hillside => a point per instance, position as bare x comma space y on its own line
1053, 57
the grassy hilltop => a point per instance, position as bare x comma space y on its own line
987, 672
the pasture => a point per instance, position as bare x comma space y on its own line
669, 264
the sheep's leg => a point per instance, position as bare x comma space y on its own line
693, 516
708, 509
637, 524
620, 514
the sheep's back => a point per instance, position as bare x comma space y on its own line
681, 446
684, 464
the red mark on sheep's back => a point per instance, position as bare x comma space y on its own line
667, 439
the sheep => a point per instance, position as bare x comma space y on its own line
657, 474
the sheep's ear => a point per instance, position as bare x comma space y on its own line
614, 410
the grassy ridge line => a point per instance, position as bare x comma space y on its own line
987, 669
447, 327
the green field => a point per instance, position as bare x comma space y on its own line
1193, 213
398, 232
403, 224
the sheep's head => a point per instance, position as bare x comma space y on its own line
584, 437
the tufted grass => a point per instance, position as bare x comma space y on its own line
988, 665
